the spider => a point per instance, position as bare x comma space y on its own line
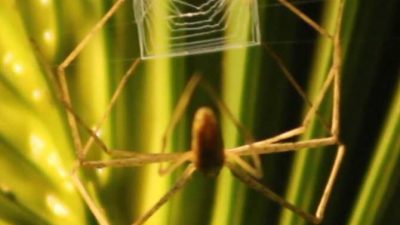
207, 154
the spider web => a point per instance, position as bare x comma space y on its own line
195, 26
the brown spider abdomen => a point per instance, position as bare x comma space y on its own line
207, 144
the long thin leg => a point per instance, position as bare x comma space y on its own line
333, 74
264, 147
71, 57
177, 115
140, 159
285, 135
253, 183
114, 98
319, 214
313, 110
187, 156
245, 165
128, 158
63, 82
65, 97
305, 18
92, 133
337, 60
257, 170
94, 208
313, 105
331, 181
337, 57
178, 186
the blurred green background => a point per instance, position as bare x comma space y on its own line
37, 152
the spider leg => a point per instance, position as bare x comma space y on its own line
117, 93
65, 96
256, 185
264, 147
177, 115
314, 218
333, 77
245, 165
313, 105
187, 156
334, 73
295, 146
178, 186
71, 57
285, 135
139, 159
93, 135
331, 181
94, 208
337, 61
305, 18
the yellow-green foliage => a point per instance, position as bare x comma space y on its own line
37, 153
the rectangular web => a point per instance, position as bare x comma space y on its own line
195, 26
